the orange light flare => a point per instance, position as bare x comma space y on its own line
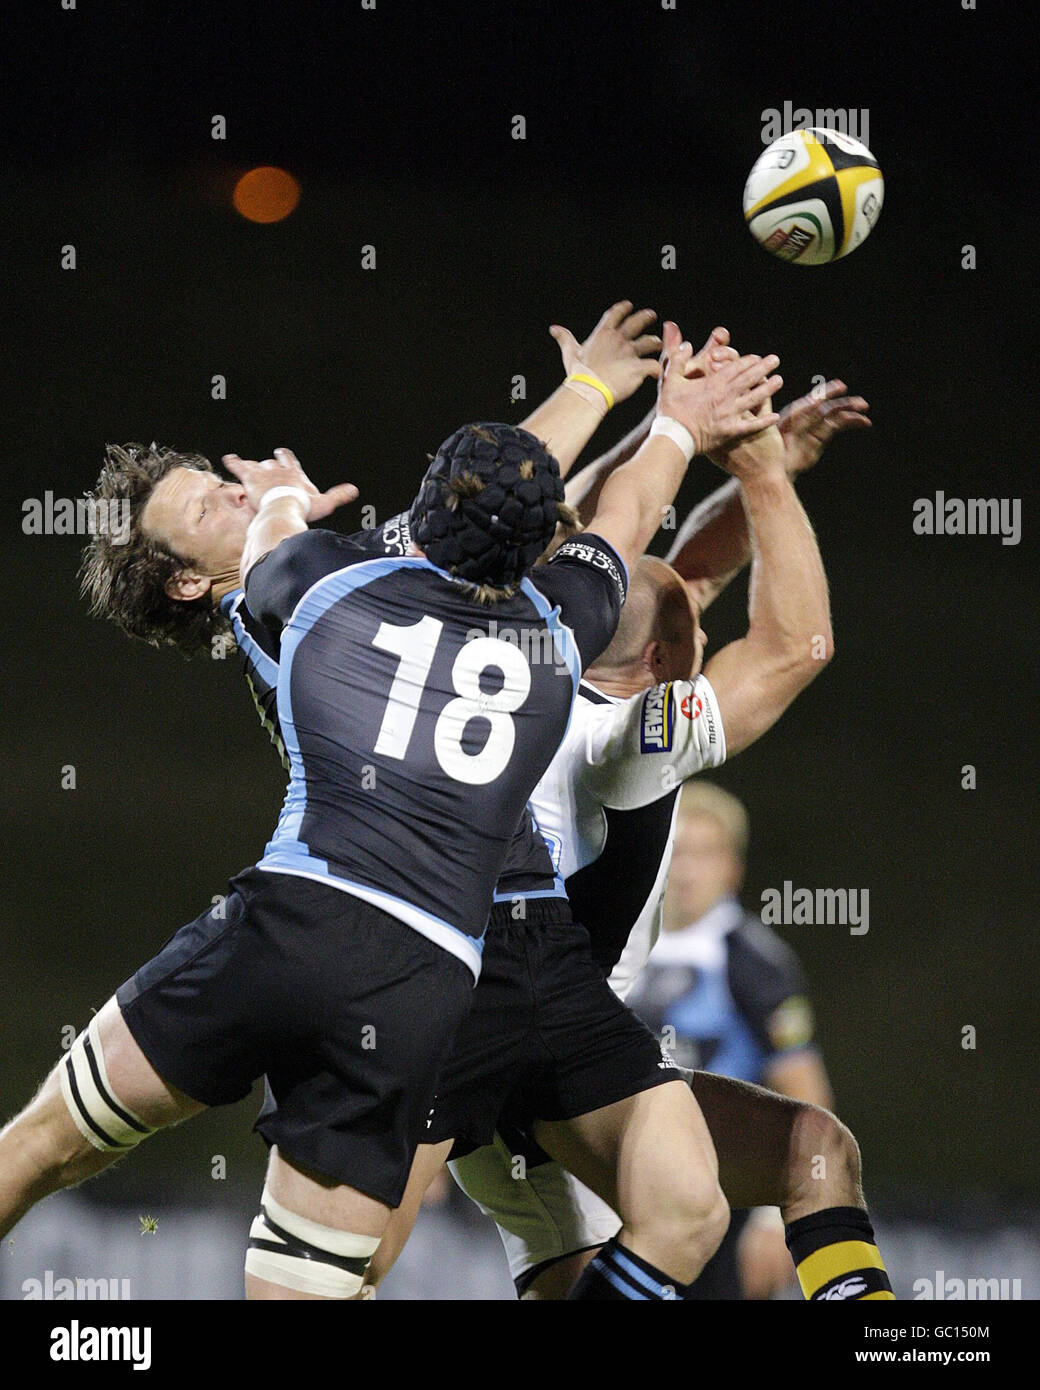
266, 194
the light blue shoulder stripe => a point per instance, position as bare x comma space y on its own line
563, 636
248, 644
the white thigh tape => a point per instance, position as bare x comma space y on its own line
300, 1254
98, 1115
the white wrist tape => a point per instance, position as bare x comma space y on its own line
304, 498
677, 433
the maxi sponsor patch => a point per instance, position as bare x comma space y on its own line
658, 723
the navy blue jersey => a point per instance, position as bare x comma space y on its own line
725, 995
259, 652
259, 648
527, 871
418, 722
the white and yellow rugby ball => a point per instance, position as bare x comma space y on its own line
813, 196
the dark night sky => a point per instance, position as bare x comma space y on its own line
642, 125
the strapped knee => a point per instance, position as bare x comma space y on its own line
300, 1254
98, 1115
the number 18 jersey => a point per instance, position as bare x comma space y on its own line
418, 722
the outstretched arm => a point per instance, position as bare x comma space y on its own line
704, 413
286, 515
584, 489
713, 546
618, 354
789, 636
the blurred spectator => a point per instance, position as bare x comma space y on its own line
727, 995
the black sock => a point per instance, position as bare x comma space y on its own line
835, 1256
615, 1273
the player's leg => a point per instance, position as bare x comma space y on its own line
429, 1160
612, 1109
486, 1057
774, 1151
651, 1158
550, 1224
97, 1104
556, 1280
367, 1008
314, 1237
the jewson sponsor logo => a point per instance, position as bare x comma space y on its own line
657, 727
83, 516
790, 906
972, 516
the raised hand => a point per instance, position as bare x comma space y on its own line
284, 470
761, 451
715, 353
618, 351
808, 424
723, 407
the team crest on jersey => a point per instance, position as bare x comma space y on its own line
658, 725
692, 707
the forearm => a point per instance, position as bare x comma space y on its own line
635, 495
564, 423
713, 545
788, 602
583, 491
272, 524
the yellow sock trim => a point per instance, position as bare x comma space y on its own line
831, 1261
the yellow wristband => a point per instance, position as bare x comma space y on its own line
595, 383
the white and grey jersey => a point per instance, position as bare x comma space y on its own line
607, 807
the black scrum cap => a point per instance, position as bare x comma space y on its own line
477, 515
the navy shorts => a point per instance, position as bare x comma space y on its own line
348, 1012
546, 1038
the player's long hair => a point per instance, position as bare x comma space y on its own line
124, 577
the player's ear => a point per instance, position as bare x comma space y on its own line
655, 659
187, 586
